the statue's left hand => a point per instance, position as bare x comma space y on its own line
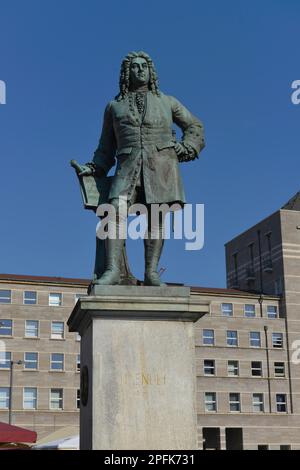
179, 149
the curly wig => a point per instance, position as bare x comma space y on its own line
124, 81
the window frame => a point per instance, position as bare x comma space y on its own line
260, 403
237, 338
237, 368
205, 337
226, 312
6, 398
52, 334
57, 362
6, 360
26, 330
35, 399
213, 402
254, 339
30, 303
232, 402
212, 368
278, 403
257, 369
9, 297
60, 295
274, 344
78, 362
78, 399
283, 365
6, 327
60, 399
31, 361
253, 314
272, 317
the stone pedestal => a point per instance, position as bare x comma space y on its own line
137, 367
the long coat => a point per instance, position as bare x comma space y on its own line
136, 140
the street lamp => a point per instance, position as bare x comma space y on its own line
10, 387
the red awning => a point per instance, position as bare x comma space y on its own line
10, 433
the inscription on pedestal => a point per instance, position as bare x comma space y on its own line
144, 379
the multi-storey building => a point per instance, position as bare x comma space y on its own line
45, 356
248, 372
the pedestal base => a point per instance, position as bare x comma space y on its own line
138, 368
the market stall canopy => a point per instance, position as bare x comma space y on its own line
70, 443
9, 433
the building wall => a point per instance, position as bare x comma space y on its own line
282, 276
258, 427
290, 226
263, 273
43, 420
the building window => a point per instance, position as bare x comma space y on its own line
5, 327
31, 360
30, 398
255, 341
55, 300
278, 286
258, 402
210, 401
281, 402
208, 337
285, 447
236, 273
251, 254
57, 361
31, 328
209, 367
262, 447
269, 243
57, 330
232, 338
5, 296
78, 399
279, 369
256, 369
272, 311
78, 363
30, 297
249, 310
234, 402
227, 310
277, 340
56, 399
233, 368
4, 398
5, 360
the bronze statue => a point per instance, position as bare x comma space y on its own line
137, 134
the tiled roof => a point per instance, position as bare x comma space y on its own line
44, 279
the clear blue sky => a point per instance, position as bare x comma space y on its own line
231, 63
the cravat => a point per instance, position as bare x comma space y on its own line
140, 102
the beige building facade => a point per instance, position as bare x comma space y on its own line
247, 366
33, 315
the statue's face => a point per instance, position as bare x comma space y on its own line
139, 72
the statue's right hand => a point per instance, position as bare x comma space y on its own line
85, 170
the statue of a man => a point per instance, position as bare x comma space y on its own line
137, 133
